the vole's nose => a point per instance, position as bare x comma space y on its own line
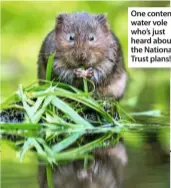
81, 58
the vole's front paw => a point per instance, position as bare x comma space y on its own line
78, 72
89, 72
84, 73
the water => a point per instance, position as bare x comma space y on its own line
148, 162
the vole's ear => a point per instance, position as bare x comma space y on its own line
101, 18
60, 20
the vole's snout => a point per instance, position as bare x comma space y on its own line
81, 58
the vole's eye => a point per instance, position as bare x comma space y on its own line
91, 37
71, 37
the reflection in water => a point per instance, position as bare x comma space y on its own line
148, 164
105, 171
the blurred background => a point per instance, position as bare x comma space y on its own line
24, 25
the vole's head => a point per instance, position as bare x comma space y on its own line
82, 38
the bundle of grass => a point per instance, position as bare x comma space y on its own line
61, 123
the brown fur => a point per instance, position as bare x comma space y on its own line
105, 172
103, 54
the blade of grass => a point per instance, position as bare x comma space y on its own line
155, 113
67, 158
38, 115
70, 112
12, 99
121, 109
28, 144
82, 149
20, 126
85, 85
67, 142
49, 176
27, 108
49, 67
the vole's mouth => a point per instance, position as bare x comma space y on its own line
82, 63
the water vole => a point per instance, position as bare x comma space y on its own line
85, 40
